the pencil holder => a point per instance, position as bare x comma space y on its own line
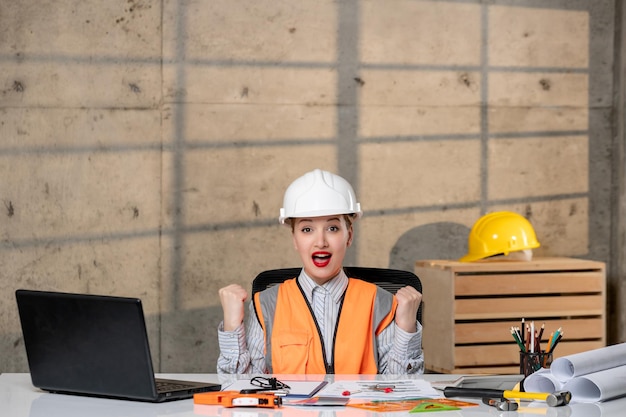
530, 362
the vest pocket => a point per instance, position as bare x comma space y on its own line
290, 352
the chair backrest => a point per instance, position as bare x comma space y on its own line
389, 279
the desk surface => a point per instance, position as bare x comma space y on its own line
18, 398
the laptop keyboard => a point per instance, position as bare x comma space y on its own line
164, 386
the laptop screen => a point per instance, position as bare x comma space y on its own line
87, 344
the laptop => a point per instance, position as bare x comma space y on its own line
93, 345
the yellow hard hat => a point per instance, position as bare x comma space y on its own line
499, 233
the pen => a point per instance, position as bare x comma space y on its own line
278, 392
254, 390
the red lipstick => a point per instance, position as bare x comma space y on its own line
321, 259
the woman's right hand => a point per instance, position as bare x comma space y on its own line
233, 298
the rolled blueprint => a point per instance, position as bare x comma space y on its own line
568, 367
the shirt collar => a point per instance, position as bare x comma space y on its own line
335, 287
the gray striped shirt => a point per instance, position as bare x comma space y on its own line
241, 350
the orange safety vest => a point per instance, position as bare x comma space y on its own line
293, 344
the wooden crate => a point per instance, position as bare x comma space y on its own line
469, 308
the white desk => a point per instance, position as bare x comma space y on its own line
18, 398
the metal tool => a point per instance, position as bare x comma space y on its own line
552, 399
501, 404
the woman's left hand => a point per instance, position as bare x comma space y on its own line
409, 300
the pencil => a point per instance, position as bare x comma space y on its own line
543, 325
556, 342
517, 340
537, 343
556, 336
550, 342
519, 335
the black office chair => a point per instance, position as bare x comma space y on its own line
389, 279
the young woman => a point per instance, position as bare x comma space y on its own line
321, 321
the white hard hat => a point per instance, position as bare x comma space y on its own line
319, 193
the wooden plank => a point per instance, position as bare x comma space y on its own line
520, 283
498, 370
513, 308
438, 326
537, 264
492, 332
508, 354
483, 370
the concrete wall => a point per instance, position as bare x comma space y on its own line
145, 145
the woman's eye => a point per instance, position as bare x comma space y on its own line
333, 228
306, 229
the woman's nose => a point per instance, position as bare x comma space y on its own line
321, 239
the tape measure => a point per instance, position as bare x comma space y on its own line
237, 399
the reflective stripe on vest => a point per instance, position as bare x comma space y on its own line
292, 341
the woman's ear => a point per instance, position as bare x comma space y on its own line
350, 235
